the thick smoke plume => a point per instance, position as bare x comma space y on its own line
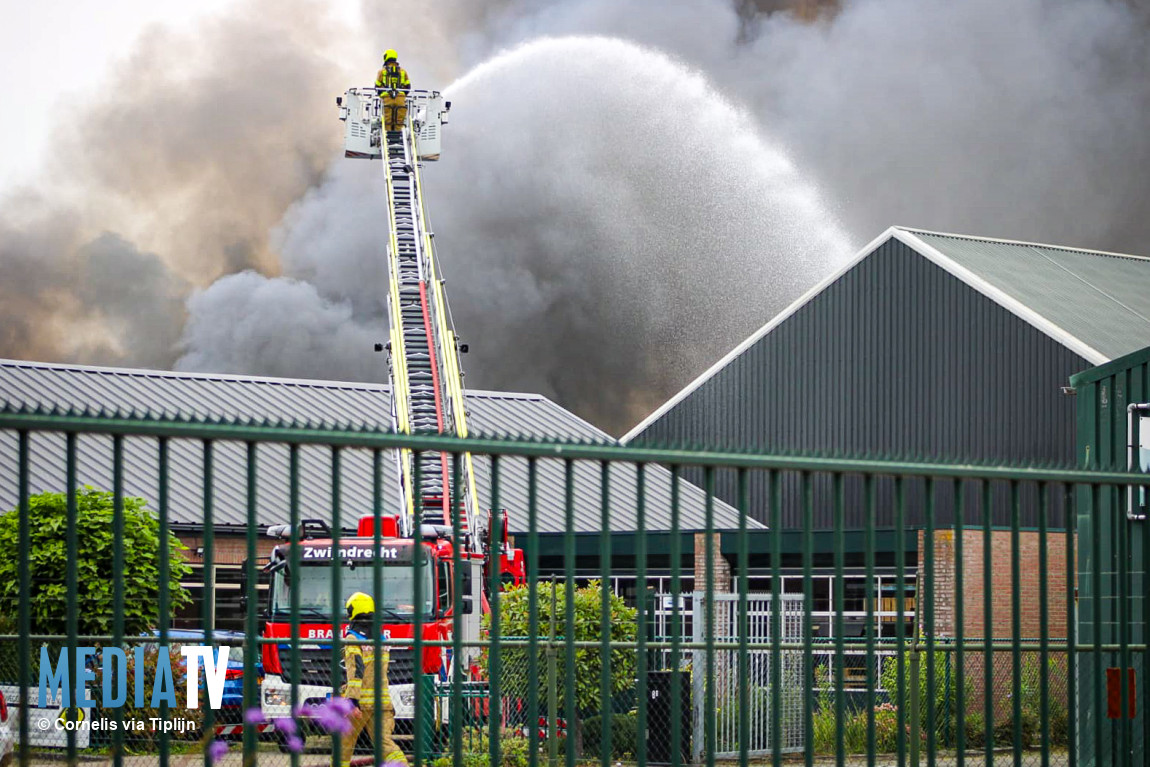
581, 262
626, 189
169, 177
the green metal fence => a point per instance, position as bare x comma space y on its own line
587, 681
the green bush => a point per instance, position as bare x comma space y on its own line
514, 614
946, 694
140, 546
824, 727
514, 750
1028, 726
624, 735
1059, 723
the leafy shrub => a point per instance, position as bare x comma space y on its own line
975, 727
824, 727
140, 546
624, 735
1027, 725
514, 613
514, 750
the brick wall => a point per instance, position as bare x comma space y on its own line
722, 568
1002, 586
974, 583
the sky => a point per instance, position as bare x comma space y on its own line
627, 189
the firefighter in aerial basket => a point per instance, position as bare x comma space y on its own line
361, 667
394, 85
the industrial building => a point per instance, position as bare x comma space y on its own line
923, 346
144, 394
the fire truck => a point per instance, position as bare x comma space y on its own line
426, 397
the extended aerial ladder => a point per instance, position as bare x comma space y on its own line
426, 379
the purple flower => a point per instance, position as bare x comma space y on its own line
394, 763
286, 725
254, 716
294, 744
343, 705
331, 717
217, 750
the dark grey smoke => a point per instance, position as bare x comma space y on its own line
101, 299
582, 259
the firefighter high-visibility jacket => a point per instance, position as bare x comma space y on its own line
393, 77
361, 666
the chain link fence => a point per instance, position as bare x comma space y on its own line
576, 674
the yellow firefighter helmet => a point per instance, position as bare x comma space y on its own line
358, 605
390, 55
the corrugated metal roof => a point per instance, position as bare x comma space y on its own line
1100, 299
242, 399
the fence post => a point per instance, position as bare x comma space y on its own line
915, 713
552, 692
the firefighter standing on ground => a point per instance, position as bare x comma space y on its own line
393, 80
361, 667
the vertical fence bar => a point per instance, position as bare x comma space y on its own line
927, 602
208, 606
1098, 603
644, 605
377, 594
1145, 596
1071, 522
839, 607
608, 714
419, 703
959, 623
808, 624
118, 580
1122, 627
744, 623
900, 613
294, 564
458, 654
871, 658
709, 704
569, 701
532, 616
494, 659
72, 586
1016, 622
1044, 624
165, 570
775, 483
24, 618
251, 622
676, 625
337, 602
987, 622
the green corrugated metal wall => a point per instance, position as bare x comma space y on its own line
1110, 554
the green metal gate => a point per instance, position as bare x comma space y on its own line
974, 674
